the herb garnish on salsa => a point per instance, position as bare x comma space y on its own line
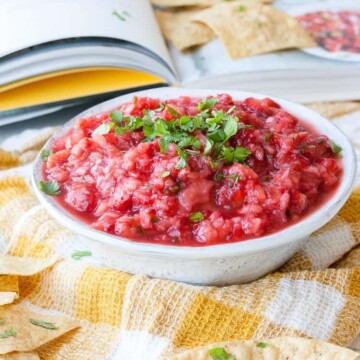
192, 171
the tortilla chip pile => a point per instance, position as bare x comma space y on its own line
245, 28
22, 329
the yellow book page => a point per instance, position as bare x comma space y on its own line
70, 85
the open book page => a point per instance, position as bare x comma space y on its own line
53, 20
207, 62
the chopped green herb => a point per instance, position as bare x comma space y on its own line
217, 135
268, 136
117, 117
44, 324
154, 219
235, 177
8, 333
231, 155
220, 354
77, 255
262, 345
217, 126
2, 321
183, 157
242, 8
181, 164
244, 126
219, 176
172, 111
163, 145
120, 17
45, 154
208, 146
231, 110
165, 174
160, 108
103, 129
50, 187
207, 103
334, 147
197, 216
230, 128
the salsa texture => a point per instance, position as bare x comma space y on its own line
191, 171
334, 30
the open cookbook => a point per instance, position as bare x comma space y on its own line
58, 53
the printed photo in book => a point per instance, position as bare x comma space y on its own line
303, 50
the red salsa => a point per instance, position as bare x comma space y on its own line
192, 171
334, 30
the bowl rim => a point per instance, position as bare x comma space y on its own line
302, 229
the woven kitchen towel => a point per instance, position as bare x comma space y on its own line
316, 294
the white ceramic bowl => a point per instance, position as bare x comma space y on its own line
211, 265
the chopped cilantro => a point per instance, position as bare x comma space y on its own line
217, 126
217, 135
220, 354
116, 117
238, 154
181, 164
120, 17
219, 176
235, 177
7, 333
104, 128
336, 149
172, 111
262, 345
230, 128
163, 145
77, 255
2, 321
207, 103
231, 110
160, 108
242, 8
50, 187
154, 219
44, 324
45, 154
268, 136
165, 174
208, 146
197, 216
183, 157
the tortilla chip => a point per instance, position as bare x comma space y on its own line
202, 3
20, 356
333, 110
244, 350
13, 265
9, 283
7, 297
274, 349
302, 349
28, 336
247, 31
178, 28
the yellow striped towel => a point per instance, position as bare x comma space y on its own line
316, 294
